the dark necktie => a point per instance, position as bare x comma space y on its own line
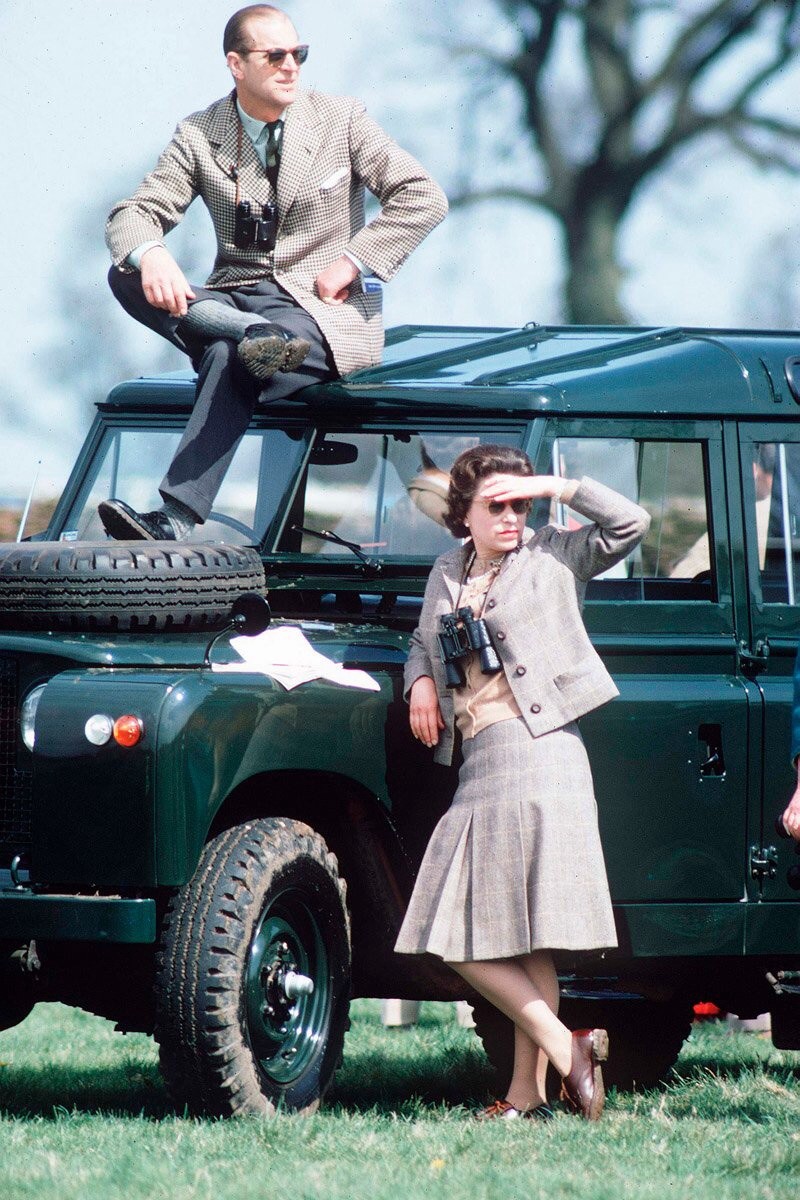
273, 150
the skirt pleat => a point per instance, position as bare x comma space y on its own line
515, 864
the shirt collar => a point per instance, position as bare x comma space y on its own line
252, 127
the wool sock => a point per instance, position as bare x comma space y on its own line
211, 318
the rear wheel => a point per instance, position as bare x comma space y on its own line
261, 924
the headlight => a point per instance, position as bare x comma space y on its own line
27, 715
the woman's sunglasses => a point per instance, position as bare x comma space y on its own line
496, 507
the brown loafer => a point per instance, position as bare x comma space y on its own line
583, 1088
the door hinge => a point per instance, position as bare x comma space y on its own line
763, 862
753, 659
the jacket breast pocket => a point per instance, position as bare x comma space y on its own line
335, 181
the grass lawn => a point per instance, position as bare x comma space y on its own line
83, 1116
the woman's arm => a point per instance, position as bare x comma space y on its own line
617, 523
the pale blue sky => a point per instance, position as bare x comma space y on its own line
91, 91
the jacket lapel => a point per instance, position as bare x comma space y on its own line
301, 139
452, 568
223, 137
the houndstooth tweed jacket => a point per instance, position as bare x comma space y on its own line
331, 152
533, 614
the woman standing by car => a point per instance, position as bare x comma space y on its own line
514, 869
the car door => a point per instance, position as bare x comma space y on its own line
670, 754
770, 478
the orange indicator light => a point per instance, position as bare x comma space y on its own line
128, 730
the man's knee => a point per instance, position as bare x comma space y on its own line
127, 289
125, 285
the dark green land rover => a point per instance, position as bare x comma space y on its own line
204, 854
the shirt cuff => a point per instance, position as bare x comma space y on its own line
134, 259
362, 269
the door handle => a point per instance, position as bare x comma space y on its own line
713, 765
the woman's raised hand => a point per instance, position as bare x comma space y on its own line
425, 715
522, 487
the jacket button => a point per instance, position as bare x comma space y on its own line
501, 637
536, 708
491, 604
520, 671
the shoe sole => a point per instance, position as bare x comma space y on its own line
262, 356
120, 526
294, 354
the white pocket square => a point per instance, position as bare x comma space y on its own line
333, 179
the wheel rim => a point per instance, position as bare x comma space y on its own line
287, 1035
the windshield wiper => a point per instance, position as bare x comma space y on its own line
326, 535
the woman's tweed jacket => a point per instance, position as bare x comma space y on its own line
331, 152
534, 614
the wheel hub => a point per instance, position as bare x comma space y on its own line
287, 995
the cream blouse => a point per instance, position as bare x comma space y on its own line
484, 699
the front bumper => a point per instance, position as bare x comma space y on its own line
25, 914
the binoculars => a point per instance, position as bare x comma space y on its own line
249, 231
462, 633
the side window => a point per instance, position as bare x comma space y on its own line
775, 499
674, 562
382, 491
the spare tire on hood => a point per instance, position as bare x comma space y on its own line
123, 586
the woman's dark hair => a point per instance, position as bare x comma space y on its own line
467, 472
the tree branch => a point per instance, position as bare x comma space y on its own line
471, 196
705, 39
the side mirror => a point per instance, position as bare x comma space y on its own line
250, 615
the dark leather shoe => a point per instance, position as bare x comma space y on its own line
267, 348
583, 1088
124, 525
506, 1112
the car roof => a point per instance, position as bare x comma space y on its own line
603, 369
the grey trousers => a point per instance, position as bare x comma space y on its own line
226, 393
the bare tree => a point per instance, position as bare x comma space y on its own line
650, 79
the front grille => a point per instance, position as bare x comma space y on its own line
16, 791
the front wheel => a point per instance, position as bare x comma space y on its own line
261, 923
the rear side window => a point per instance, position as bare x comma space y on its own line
776, 501
675, 561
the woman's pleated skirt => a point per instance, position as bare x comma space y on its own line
515, 864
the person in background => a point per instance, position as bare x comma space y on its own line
514, 870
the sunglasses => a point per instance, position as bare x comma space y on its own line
496, 507
275, 57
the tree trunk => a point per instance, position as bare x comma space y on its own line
594, 277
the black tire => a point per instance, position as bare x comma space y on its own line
265, 898
15, 1006
645, 1037
123, 586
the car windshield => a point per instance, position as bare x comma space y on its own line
130, 463
382, 490
385, 492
